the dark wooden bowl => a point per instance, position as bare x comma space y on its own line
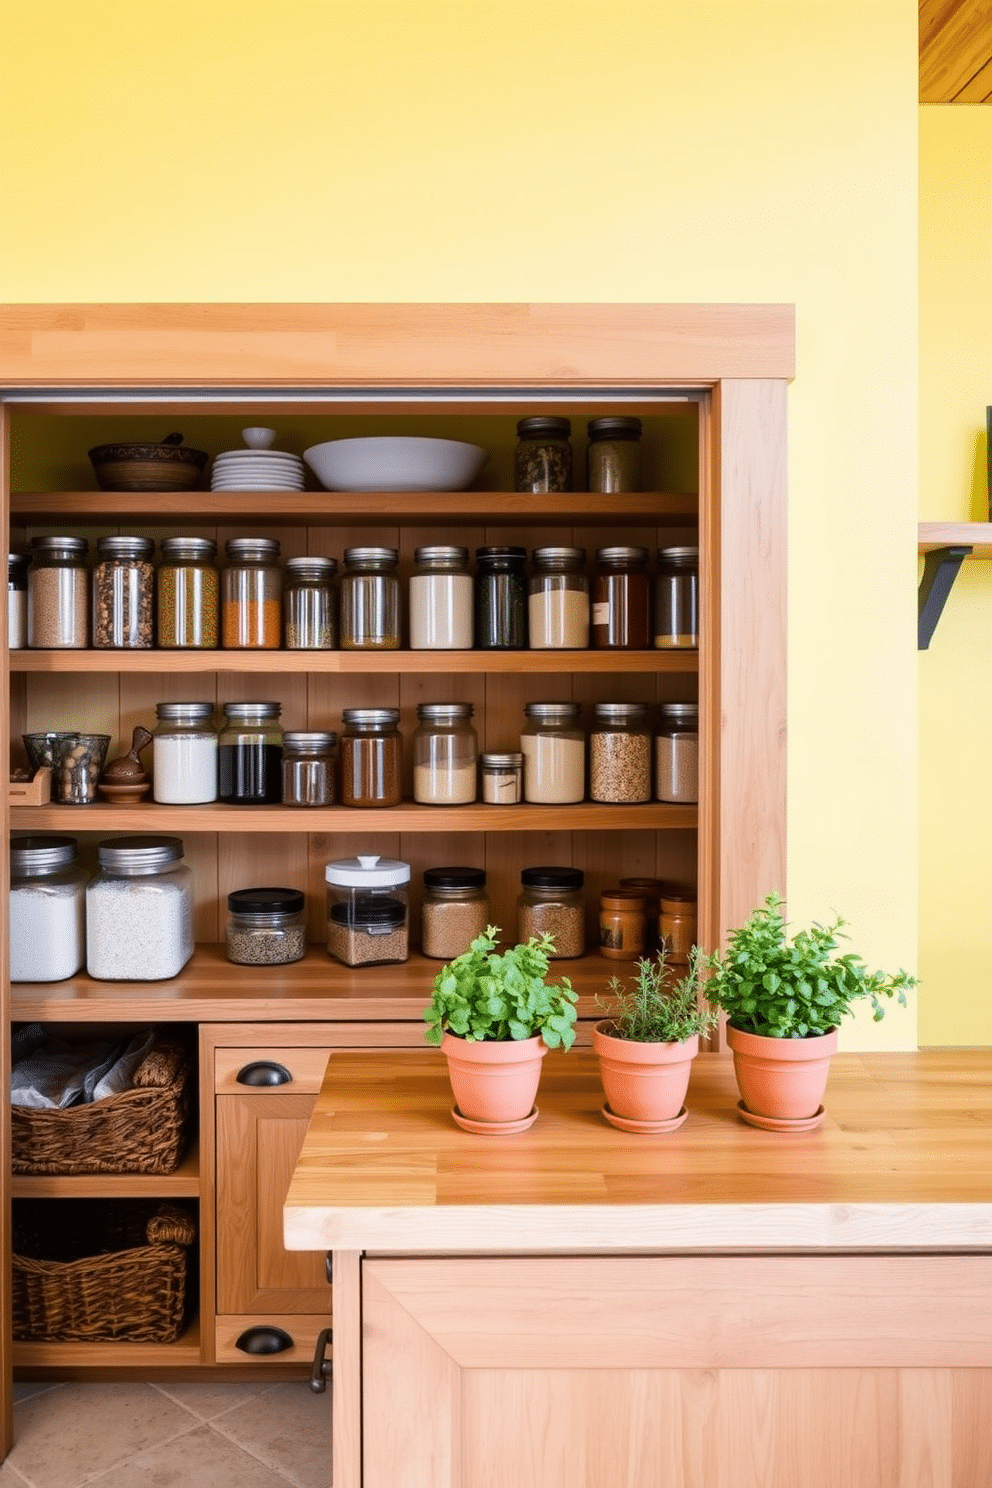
169, 466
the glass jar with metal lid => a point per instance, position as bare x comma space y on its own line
249, 755
309, 769
613, 454
188, 587
621, 608
251, 591
455, 910
501, 598
17, 601
58, 594
502, 778
441, 600
139, 910
551, 901
676, 752
676, 599
445, 754
184, 753
558, 602
553, 746
371, 757
620, 752
370, 600
266, 927
542, 460
47, 918
309, 603
123, 593
368, 910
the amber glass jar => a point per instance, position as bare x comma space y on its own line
622, 925
371, 752
621, 600
677, 927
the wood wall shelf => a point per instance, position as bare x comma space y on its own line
975, 535
945, 546
360, 663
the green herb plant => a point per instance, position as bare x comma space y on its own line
656, 1009
793, 987
488, 994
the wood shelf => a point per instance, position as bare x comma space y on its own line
360, 663
67, 1356
975, 535
184, 1183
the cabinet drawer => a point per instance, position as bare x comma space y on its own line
305, 1066
302, 1329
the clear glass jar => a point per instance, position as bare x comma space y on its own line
622, 925
445, 754
613, 454
676, 599
677, 927
676, 753
266, 927
249, 755
370, 600
501, 599
184, 754
124, 593
309, 604
621, 598
58, 594
455, 910
543, 457
368, 910
309, 769
371, 757
551, 900
558, 603
553, 746
47, 919
502, 778
441, 600
17, 601
620, 752
139, 910
188, 587
251, 592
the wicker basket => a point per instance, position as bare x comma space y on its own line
142, 1130
92, 1271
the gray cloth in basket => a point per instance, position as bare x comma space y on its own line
62, 1074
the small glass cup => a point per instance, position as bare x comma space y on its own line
78, 765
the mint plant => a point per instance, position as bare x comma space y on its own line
488, 994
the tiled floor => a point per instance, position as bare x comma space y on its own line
155, 1436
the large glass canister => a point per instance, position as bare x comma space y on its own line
371, 753
441, 600
676, 752
188, 587
501, 598
47, 918
454, 911
124, 593
676, 599
309, 602
251, 590
553, 745
613, 454
249, 755
620, 752
309, 769
551, 900
621, 598
445, 755
139, 910
558, 603
266, 927
17, 601
543, 457
184, 754
370, 600
58, 594
368, 910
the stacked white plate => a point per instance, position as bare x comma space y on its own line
257, 470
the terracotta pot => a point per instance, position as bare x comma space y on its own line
643, 1082
781, 1077
494, 1081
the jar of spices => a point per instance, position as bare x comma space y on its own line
455, 910
553, 746
558, 604
123, 593
501, 598
613, 454
184, 754
621, 599
309, 604
676, 599
368, 910
251, 588
370, 600
676, 753
551, 900
188, 594
622, 925
47, 918
441, 600
139, 910
249, 755
371, 757
266, 927
620, 752
502, 778
677, 927
58, 594
543, 456
17, 601
650, 890
445, 752
308, 769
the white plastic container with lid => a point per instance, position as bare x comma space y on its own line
47, 909
139, 910
368, 910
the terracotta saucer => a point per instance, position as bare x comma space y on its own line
779, 1124
493, 1128
645, 1128
118, 794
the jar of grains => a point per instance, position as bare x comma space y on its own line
543, 456
622, 925
184, 754
445, 752
370, 600
139, 910
249, 755
620, 752
123, 593
502, 778
455, 910
676, 599
188, 594
17, 601
613, 454
371, 757
551, 900
677, 927
47, 918
309, 604
553, 746
676, 753
266, 927
309, 769
501, 599
621, 599
558, 605
251, 589
441, 600
58, 593
368, 910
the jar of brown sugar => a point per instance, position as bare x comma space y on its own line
371, 757
251, 590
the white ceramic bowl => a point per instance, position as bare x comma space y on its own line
395, 463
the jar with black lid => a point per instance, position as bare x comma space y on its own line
501, 598
251, 585
266, 927
58, 594
543, 457
309, 604
123, 593
371, 757
621, 608
370, 600
308, 768
455, 910
188, 588
558, 605
249, 755
613, 454
676, 599
551, 900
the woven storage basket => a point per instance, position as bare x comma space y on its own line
91, 1271
142, 1130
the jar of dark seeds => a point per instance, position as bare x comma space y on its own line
309, 769
266, 927
543, 456
309, 603
58, 594
501, 598
551, 900
455, 910
613, 454
123, 593
620, 753
188, 587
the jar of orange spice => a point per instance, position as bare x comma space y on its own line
251, 593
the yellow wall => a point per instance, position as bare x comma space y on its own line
565, 150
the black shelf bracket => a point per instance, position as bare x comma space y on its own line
940, 569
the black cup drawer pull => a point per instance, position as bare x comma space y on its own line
264, 1341
264, 1072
